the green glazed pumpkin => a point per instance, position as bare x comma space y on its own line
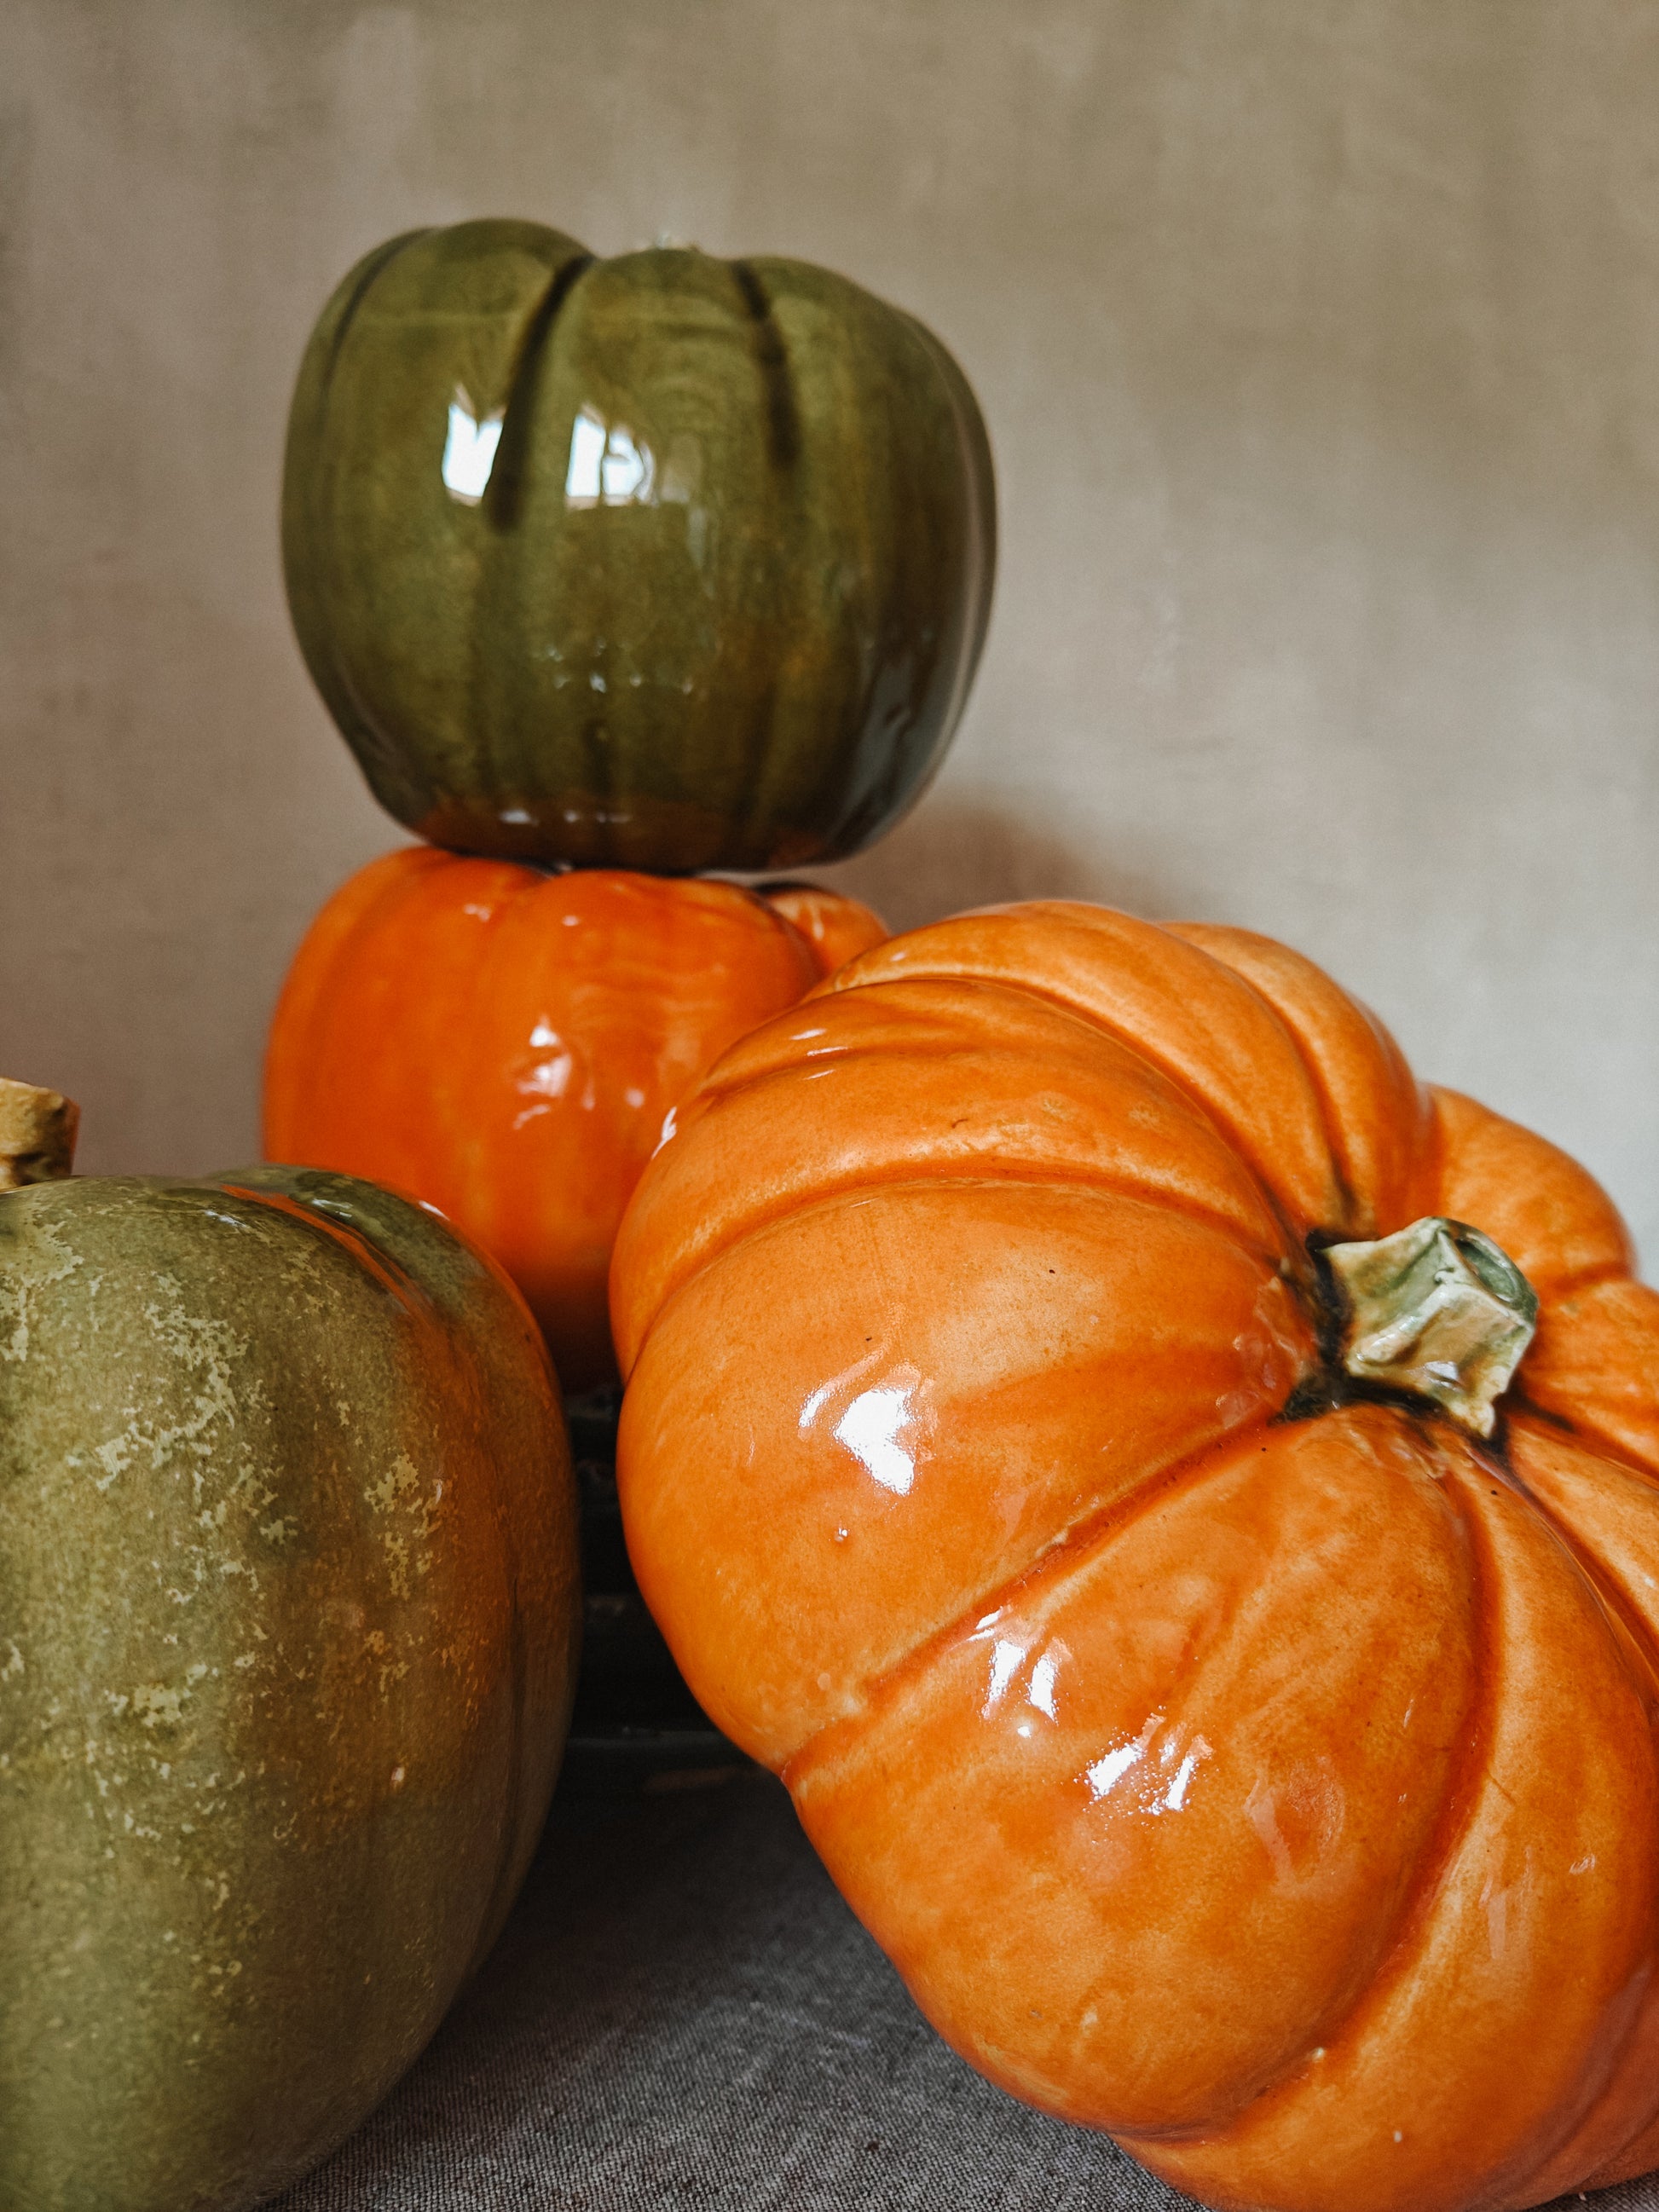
288, 1604
661, 562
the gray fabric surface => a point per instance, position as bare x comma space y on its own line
683, 2014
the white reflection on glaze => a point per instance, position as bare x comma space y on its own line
1112, 1765
544, 1079
627, 471
1153, 1789
1177, 1792
609, 466
820, 1398
1175, 1796
470, 450
1005, 1665
582, 476
870, 1430
1008, 1656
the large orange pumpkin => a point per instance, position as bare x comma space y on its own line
1035, 1451
504, 1044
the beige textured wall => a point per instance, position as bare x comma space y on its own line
1320, 347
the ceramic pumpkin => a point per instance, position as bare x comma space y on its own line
288, 1610
1085, 1429
505, 1044
838, 928
662, 563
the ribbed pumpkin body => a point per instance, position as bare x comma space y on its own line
506, 1044
288, 1610
1254, 1767
662, 563
838, 928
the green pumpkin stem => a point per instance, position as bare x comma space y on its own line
1436, 1309
38, 1130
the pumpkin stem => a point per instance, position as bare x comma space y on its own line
1436, 1308
37, 1130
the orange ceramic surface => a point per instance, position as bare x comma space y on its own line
505, 1044
1256, 1767
836, 928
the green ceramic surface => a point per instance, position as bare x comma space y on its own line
662, 563
288, 1608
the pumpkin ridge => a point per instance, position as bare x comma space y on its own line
771, 1057
1585, 1435
1545, 1210
772, 359
1626, 1619
493, 605
716, 1084
1077, 1539
1294, 1237
503, 494
1329, 1117
1048, 1616
1089, 1530
372, 268
1265, 962
1569, 1368
394, 1279
996, 1176
1626, 1628
1629, 1627
1507, 2180
783, 437
1246, 1335
1459, 1795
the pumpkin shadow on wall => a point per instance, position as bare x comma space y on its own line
954, 853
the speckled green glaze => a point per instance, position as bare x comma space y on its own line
661, 562
288, 1604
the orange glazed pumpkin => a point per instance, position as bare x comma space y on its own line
505, 1044
1224, 1692
836, 928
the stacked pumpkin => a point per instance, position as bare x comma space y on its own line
611, 574
623, 571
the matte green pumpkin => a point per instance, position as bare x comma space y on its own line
663, 562
288, 1603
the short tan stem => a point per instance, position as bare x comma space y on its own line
1438, 1309
37, 1135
